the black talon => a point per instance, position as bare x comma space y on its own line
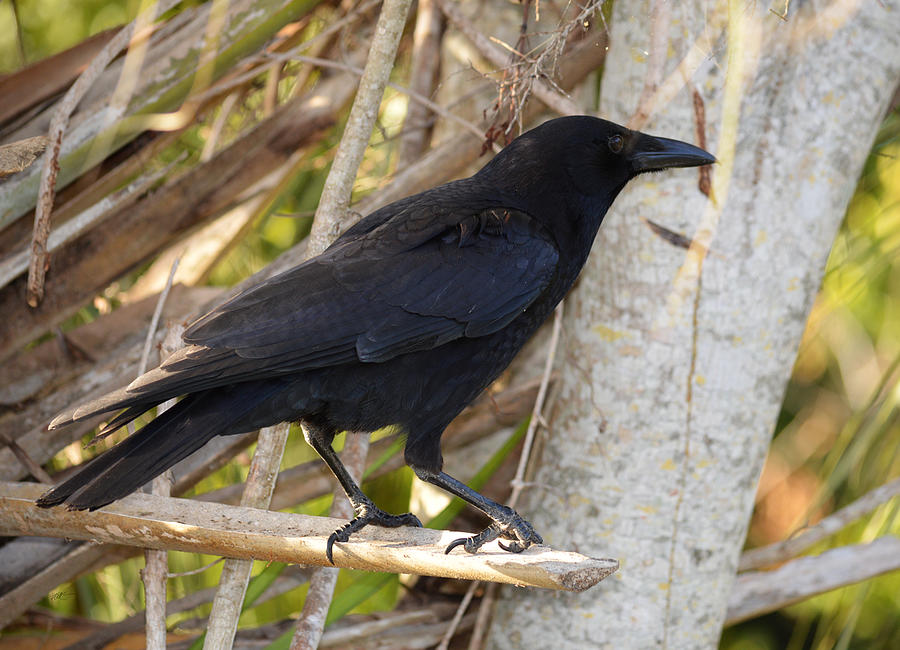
472, 544
507, 523
455, 543
367, 513
517, 529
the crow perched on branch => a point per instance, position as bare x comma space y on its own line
403, 321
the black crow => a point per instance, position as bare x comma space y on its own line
403, 321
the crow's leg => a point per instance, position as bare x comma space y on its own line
507, 522
366, 512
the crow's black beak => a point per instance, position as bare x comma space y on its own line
650, 153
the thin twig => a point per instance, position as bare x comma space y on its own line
437, 108
335, 27
518, 482
270, 96
541, 89
458, 616
228, 104
154, 321
20, 37
331, 216
34, 468
484, 616
778, 552
425, 64
156, 562
194, 572
334, 204
396, 624
229, 599
39, 255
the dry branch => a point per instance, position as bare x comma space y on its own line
290, 579
27, 461
36, 83
332, 217
541, 89
416, 629
425, 63
229, 598
59, 122
760, 592
170, 69
133, 234
156, 563
150, 521
784, 550
334, 203
83, 558
43, 381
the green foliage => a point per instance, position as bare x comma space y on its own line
50, 26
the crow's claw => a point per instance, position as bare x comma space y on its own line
517, 529
455, 543
515, 547
368, 513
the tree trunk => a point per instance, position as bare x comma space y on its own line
676, 361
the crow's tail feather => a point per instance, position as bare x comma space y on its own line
172, 436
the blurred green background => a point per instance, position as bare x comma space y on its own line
45, 27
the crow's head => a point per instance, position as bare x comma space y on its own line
579, 164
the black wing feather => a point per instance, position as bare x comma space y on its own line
409, 283
388, 292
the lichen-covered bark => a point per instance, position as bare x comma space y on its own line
676, 362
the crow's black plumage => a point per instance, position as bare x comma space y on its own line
402, 321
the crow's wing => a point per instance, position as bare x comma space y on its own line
400, 287
411, 283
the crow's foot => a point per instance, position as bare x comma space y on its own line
516, 529
368, 513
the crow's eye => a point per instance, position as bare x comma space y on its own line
615, 143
